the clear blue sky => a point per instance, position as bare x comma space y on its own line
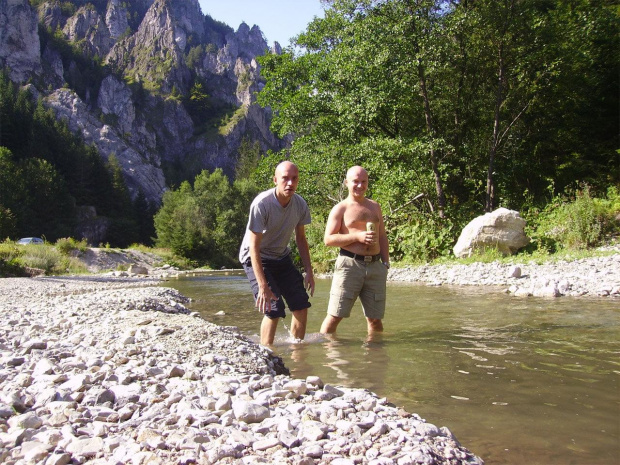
278, 19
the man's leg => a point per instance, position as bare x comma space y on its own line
375, 325
345, 288
268, 330
298, 323
330, 323
373, 296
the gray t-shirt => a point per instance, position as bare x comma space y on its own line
275, 222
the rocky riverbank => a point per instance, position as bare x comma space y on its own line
104, 370
593, 277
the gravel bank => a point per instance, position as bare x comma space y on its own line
593, 277
107, 370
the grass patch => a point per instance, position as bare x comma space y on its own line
229, 123
166, 256
21, 260
536, 257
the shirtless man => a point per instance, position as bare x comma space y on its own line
363, 262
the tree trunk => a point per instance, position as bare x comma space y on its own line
490, 202
441, 196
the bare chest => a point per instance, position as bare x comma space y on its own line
356, 217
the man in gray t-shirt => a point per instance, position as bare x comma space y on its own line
266, 256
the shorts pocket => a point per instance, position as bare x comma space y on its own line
340, 303
342, 294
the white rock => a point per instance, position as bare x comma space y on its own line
26, 421
333, 390
514, 272
502, 229
265, 444
88, 447
250, 412
34, 451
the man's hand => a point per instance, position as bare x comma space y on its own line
264, 298
309, 283
367, 237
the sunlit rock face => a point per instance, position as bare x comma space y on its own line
20, 50
133, 99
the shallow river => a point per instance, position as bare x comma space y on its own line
518, 381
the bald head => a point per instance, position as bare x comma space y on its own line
286, 179
357, 182
355, 171
286, 166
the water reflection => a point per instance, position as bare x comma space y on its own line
517, 380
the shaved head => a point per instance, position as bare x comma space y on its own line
286, 178
356, 170
357, 182
285, 166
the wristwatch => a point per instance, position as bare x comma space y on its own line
387, 265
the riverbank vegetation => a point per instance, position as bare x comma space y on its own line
67, 256
455, 109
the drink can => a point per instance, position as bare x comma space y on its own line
370, 226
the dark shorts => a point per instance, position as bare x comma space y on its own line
285, 280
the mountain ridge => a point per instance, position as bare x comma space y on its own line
164, 88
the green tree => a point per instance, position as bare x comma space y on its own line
454, 107
248, 158
143, 214
361, 93
123, 229
11, 194
206, 221
48, 205
199, 103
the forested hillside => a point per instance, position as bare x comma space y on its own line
456, 108
47, 173
138, 97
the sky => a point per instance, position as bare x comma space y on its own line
279, 20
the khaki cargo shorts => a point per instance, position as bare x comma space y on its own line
355, 278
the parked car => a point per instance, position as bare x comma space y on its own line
30, 240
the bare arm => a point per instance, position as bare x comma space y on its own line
304, 253
383, 241
265, 295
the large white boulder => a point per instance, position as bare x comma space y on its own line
502, 229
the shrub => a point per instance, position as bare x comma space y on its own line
66, 245
576, 222
423, 238
323, 257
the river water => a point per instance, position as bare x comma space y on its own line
518, 381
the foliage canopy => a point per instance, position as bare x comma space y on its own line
455, 108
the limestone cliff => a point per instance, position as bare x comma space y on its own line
19, 41
166, 89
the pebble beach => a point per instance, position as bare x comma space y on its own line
587, 277
114, 369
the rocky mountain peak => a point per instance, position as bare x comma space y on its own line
137, 101
50, 15
116, 19
88, 26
